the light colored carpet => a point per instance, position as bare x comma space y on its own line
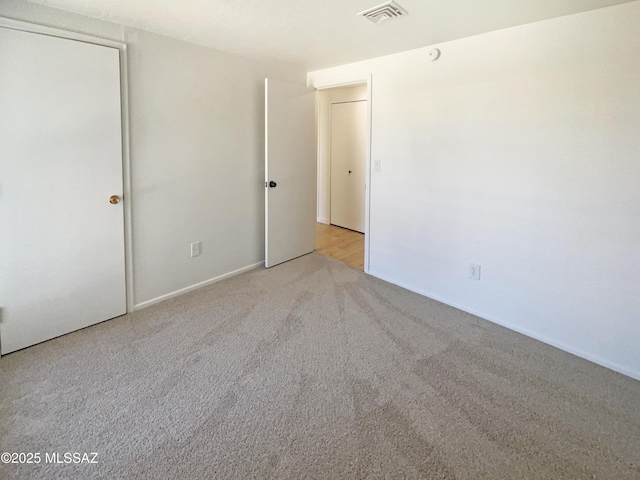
314, 370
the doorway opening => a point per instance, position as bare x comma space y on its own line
343, 130
341, 244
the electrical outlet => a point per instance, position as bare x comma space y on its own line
195, 249
474, 271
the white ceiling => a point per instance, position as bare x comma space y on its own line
320, 33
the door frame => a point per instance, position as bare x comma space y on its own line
347, 82
12, 24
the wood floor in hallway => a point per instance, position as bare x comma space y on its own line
340, 243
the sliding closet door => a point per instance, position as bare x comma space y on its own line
61, 208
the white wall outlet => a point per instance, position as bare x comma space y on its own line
195, 249
474, 271
376, 166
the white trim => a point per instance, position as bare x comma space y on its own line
318, 105
126, 178
323, 220
57, 32
344, 82
124, 109
196, 286
528, 333
367, 202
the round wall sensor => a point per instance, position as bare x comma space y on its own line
434, 53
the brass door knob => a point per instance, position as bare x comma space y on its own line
114, 199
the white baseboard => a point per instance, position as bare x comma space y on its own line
161, 298
323, 220
574, 351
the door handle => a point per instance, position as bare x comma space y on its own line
114, 199
272, 184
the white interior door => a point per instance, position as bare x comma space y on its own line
290, 171
348, 164
61, 240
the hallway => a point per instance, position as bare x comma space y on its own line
340, 243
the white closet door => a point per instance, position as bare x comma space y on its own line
348, 164
61, 240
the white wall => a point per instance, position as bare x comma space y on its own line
518, 150
197, 152
197, 136
324, 99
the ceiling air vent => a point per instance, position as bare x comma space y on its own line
386, 11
